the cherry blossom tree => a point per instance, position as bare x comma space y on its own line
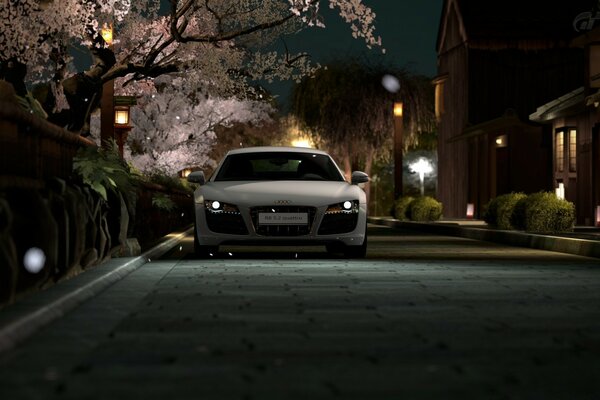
174, 130
220, 46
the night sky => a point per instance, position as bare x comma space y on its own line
408, 29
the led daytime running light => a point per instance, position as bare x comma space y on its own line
217, 207
346, 207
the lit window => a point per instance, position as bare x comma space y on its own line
572, 150
502, 141
560, 151
439, 83
439, 100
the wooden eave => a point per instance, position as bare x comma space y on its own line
592, 36
439, 79
566, 105
508, 120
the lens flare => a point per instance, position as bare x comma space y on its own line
390, 83
34, 260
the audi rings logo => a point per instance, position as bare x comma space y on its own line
282, 202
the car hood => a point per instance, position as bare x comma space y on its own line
313, 193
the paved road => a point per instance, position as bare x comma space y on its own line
422, 317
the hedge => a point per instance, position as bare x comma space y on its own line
543, 212
425, 208
500, 209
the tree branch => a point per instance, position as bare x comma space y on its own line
229, 35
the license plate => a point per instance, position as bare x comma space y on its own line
283, 218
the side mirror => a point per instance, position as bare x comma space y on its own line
197, 177
359, 177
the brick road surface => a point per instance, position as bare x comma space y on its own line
423, 317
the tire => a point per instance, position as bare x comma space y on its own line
203, 251
356, 251
348, 251
334, 248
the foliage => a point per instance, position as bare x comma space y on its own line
425, 208
168, 181
543, 212
382, 200
103, 169
163, 202
176, 129
349, 112
346, 106
221, 47
402, 206
499, 211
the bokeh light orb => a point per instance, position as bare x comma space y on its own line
34, 260
390, 83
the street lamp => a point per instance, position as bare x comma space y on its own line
108, 91
422, 167
398, 133
107, 34
122, 107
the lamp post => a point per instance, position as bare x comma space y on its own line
398, 145
122, 107
106, 101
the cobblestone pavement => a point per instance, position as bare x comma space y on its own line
423, 317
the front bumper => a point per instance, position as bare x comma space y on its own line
243, 228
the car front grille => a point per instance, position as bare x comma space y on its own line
229, 223
338, 223
283, 230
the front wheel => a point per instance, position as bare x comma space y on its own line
356, 251
349, 251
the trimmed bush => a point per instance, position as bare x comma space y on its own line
504, 206
490, 216
401, 207
546, 213
425, 208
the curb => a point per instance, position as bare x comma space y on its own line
579, 247
60, 299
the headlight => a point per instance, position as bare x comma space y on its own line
345, 207
218, 207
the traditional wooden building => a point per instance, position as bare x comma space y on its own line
494, 69
574, 119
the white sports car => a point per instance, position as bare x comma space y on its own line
280, 196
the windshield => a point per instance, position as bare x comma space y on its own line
278, 166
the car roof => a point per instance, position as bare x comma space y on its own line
264, 149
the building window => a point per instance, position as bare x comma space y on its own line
439, 95
560, 151
572, 150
